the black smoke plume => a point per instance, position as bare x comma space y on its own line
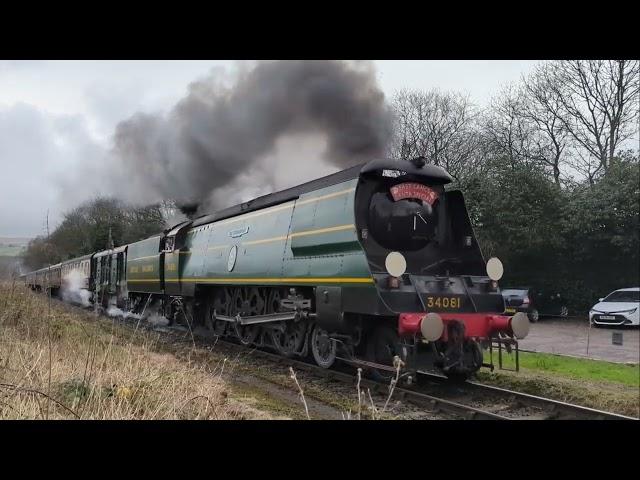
188, 209
218, 132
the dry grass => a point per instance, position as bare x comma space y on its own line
56, 365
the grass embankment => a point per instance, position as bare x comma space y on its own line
604, 385
54, 364
62, 363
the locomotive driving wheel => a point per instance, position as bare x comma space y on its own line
288, 337
273, 300
246, 302
221, 305
289, 340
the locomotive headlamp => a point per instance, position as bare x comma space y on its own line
432, 327
495, 270
396, 264
520, 325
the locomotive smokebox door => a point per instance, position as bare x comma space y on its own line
329, 308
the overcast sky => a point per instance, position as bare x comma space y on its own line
56, 116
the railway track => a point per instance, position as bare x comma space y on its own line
425, 401
542, 407
468, 400
431, 392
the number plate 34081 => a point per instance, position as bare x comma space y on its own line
443, 302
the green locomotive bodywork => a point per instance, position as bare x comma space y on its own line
144, 260
307, 242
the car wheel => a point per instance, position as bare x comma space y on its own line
564, 311
534, 315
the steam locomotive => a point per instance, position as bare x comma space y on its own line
376, 265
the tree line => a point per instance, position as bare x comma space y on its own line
95, 225
549, 170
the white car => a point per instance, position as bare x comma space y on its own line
621, 307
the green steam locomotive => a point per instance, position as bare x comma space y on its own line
374, 265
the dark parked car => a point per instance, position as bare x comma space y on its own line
534, 303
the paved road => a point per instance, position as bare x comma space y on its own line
569, 337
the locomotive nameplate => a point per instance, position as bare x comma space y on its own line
413, 190
443, 302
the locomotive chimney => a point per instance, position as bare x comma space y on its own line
419, 161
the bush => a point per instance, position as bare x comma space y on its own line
580, 241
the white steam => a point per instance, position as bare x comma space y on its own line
157, 320
75, 288
114, 311
151, 315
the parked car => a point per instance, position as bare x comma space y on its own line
535, 304
620, 307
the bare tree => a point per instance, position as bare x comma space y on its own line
508, 132
440, 126
542, 108
600, 102
583, 162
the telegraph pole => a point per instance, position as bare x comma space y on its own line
49, 316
